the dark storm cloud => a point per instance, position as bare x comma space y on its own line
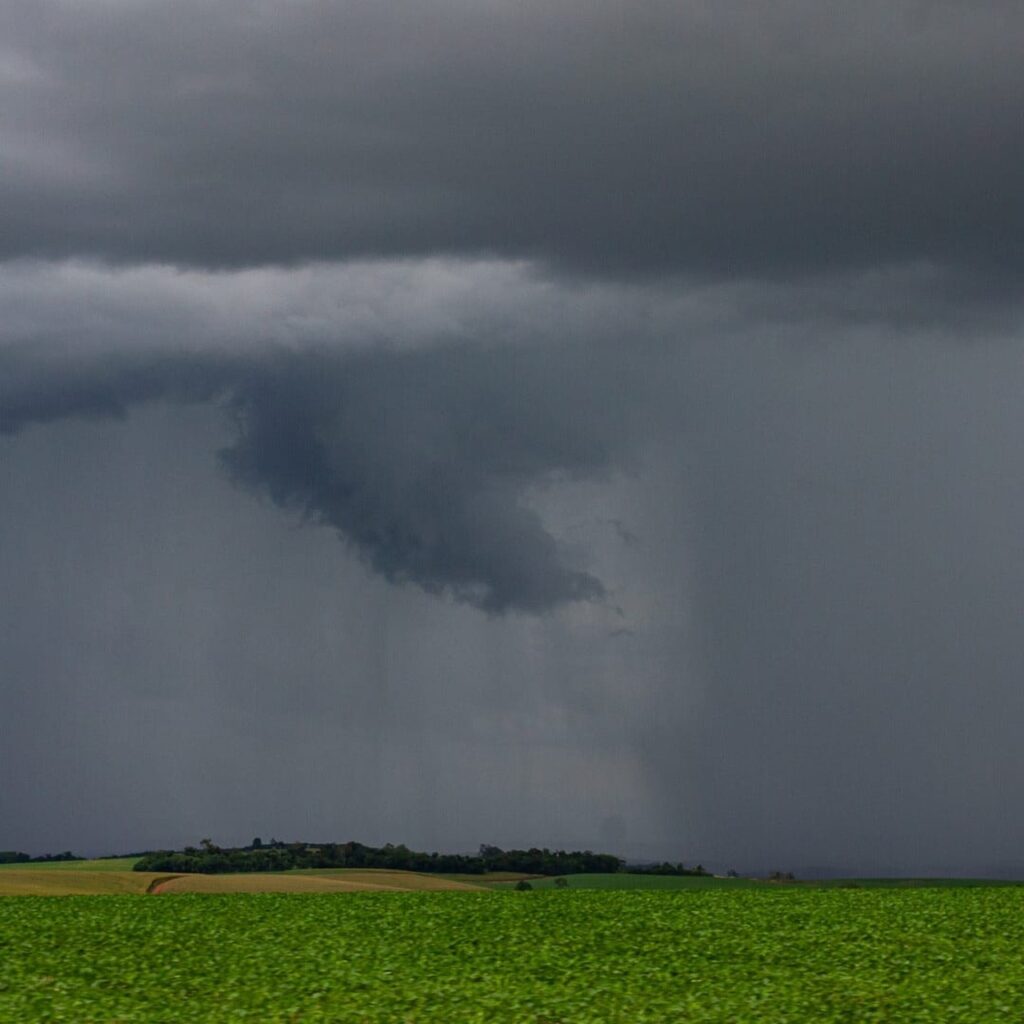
765, 259
424, 461
726, 139
39, 387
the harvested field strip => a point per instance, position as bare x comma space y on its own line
407, 881
24, 882
21, 881
300, 882
260, 883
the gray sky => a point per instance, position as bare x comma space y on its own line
559, 424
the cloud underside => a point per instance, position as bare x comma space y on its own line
609, 138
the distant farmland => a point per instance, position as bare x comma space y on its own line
96, 864
624, 880
102, 877
48, 881
324, 881
113, 876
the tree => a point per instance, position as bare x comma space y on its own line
523, 885
561, 883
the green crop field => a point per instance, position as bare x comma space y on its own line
748, 955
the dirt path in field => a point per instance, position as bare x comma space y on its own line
154, 888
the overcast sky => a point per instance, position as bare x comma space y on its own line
571, 424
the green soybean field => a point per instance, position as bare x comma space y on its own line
544, 957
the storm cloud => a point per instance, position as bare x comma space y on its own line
584, 424
423, 460
618, 137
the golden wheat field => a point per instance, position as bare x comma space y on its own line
323, 882
91, 878
84, 882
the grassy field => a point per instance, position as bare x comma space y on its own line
489, 876
626, 881
908, 883
777, 955
99, 864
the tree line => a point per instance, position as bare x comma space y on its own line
208, 858
17, 857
